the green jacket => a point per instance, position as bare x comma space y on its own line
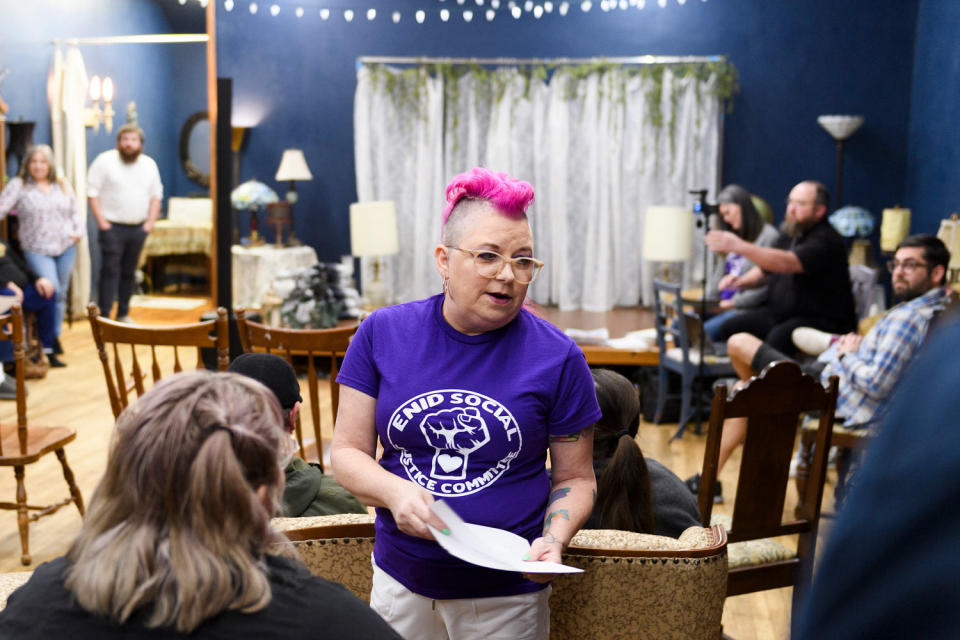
311, 493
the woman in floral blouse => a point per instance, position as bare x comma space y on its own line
51, 224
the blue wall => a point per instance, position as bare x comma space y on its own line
295, 78
933, 187
167, 82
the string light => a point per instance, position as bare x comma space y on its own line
228, 5
348, 15
641, 4
371, 14
516, 12
299, 12
444, 14
662, 3
396, 17
623, 5
495, 4
324, 14
586, 5
548, 7
479, 3
537, 12
182, 2
274, 10
528, 6
421, 16
564, 7
253, 8
491, 14
203, 3
467, 15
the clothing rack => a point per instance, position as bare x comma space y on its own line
646, 59
149, 38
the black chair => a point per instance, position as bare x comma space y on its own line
683, 357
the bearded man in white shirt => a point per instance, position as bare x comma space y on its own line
125, 192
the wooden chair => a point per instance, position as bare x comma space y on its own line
633, 584
671, 321
847, 442
22, 445
211, 334
773, 404
329, 344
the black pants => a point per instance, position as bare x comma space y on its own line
761, 323
120, 247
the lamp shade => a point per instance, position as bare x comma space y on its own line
373, 228
840, 127
293, 166
252, 194
894, 227
950, 234
852, 222
668, 234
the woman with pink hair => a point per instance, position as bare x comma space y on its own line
467, 391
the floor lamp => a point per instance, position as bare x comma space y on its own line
840, 128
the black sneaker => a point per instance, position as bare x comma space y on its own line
693, 483
57, 349
55, 361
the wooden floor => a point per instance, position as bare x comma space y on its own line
76, 396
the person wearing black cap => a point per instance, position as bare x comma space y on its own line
308, 491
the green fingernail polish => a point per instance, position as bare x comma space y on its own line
526, 556
445, 531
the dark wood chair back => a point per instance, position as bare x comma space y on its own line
157, 346
22, 445
314, 344
773, 404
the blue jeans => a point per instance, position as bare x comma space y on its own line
44, 308
57, 270
712, 326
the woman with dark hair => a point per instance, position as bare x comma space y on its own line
176, 541
633, 493
739, 215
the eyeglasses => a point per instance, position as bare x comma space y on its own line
907, 265
490, 264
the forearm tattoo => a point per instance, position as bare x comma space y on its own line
559, 513
557, 495
570, 437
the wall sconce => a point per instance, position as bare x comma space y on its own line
238, 134
96, 114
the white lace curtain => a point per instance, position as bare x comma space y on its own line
598, 148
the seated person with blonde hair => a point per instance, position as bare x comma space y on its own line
177, 540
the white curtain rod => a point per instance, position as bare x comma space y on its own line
647, 59
153, 38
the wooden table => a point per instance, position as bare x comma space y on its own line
618, 322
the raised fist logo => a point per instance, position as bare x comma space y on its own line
455, 434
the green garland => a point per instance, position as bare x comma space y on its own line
406, 86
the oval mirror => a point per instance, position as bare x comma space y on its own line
195, 148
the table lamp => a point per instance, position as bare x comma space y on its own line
251, 195
373, 233
949, 233
293, 167
668, 236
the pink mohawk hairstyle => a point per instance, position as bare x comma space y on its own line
506, 193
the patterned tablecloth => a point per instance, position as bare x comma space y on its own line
171, 237
255, 267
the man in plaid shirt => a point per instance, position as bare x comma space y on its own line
868, 366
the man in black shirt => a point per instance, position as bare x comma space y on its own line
807, 273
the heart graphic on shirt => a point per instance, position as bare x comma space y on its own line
449, 463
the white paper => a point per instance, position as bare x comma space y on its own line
487, 546
589, 336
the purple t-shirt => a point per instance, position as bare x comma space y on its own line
468, 418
